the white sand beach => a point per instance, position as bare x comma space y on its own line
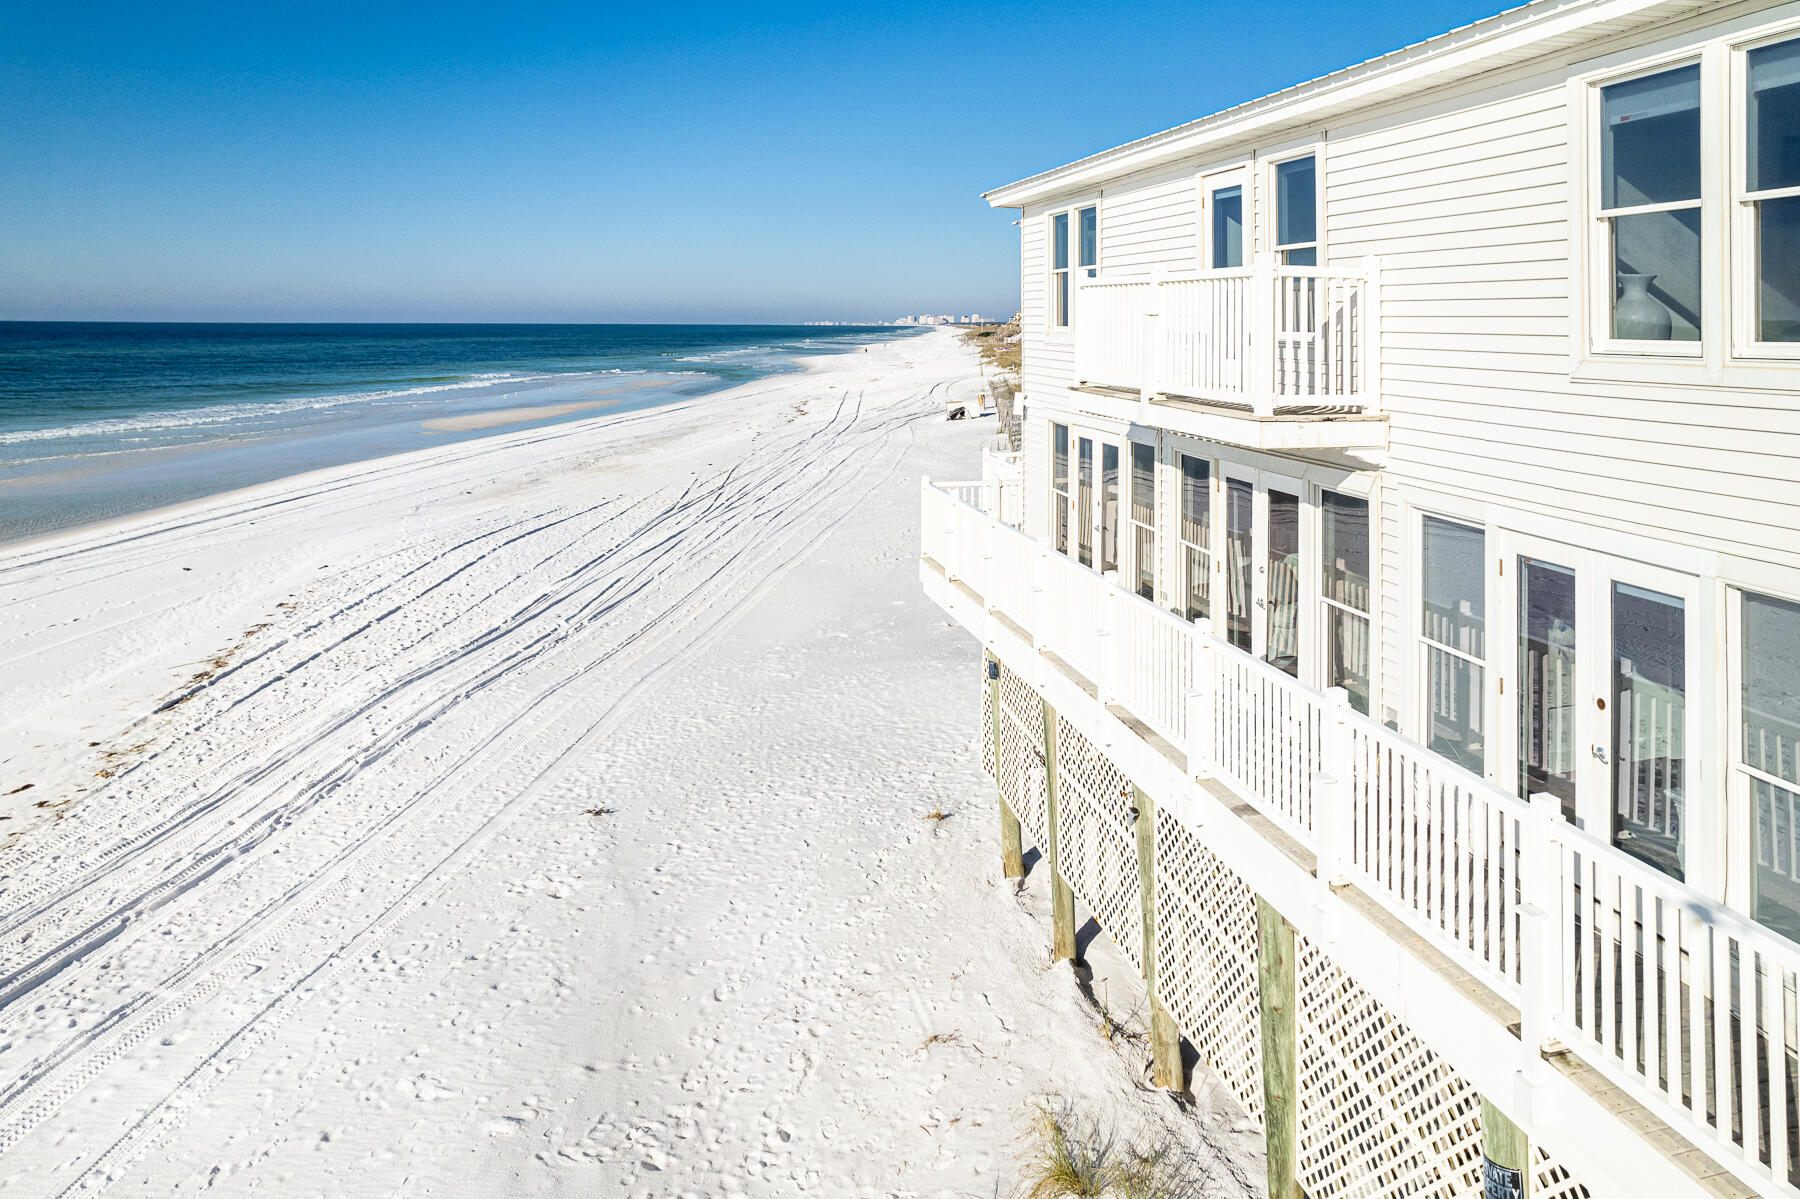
542, 814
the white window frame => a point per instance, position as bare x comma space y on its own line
1326, 603
1061, 293
1419, 709
1209, 556
1236, 174
1596, 223
1743, 204
1270, 216
1076, 271
1739, 831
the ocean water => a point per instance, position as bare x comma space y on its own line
99, 420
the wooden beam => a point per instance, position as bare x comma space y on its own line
1062, 900
1507, 1170
1165, 1038
1012, 848
1280, 1050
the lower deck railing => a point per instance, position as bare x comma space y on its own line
1687, 1005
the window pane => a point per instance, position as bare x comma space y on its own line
1090, 236
1345, 537
1306, 257
1109, 507
1059, 241
1455, 701
1649, 725
1650, 140
1228, 228
1656, 276
1295, 203
1283, 642
1547, 681
1061, 299
1146, 562
1084, 501
1772, 687
1347, 655
1196, 502
1240, 500
1143, 483
1455, 586
1778, 269
1774, 116
1197, 567
1060, 502
1777, 901
1059, 457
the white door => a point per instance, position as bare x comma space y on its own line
1264, 564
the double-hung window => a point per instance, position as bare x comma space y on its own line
1074, 236
1769, 761
1649, 207
1059, 485
1087, 248
1453, 639
1196, 535
1143, 518
1059, 271
1769, 199
1344, 594
1297, 211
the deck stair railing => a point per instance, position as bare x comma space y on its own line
1687, 1005
1277, 339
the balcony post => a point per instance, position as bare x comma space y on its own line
1165, 1037
1263, 282
1040, 593
1541, 962
1369, 381
1201, 701
1150, 368
1108, 615
1331, 791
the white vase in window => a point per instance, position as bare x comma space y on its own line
1638, 315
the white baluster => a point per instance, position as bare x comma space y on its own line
1202, 702
1262, 337
1331, 789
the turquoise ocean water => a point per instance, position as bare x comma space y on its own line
99, 420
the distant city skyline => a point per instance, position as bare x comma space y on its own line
715, 164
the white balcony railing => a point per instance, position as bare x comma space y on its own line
1680, 1001
1273, 338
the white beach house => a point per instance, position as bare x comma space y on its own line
1399, 652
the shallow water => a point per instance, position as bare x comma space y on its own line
99, 420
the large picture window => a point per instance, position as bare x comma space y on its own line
1771, 196
1196, 536
1453, 639
1769, 762
1650, 205
1143, 518
1344, 598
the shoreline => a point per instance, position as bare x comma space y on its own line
657, 399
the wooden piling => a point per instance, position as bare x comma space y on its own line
1012, 848
1280, 1049
1507, 1170
1165, 1038
1062, 900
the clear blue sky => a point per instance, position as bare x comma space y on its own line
589, 162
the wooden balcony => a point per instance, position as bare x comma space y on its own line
1275, 357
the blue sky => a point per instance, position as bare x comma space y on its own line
589, 162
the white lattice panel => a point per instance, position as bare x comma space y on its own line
1206, 958
1380, 1114
1551, 1180
1096, 839
987, 733
1021, 758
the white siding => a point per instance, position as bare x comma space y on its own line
1149, 223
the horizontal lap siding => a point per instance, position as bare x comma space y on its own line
1149, 224
1467, 207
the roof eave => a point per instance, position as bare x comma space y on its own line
1458, 54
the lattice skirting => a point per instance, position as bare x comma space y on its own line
1381, 1115
1096, 839
1206, 958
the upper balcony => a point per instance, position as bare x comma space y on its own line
1272, 357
